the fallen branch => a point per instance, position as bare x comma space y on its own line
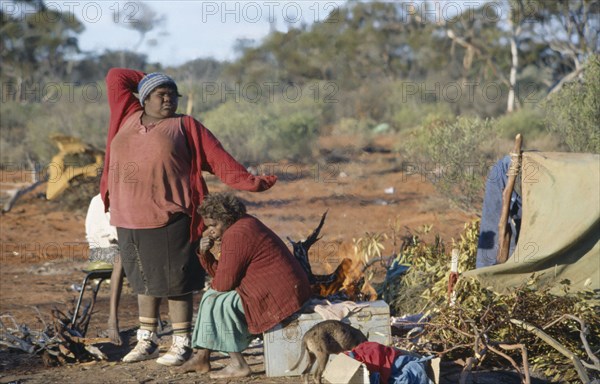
471, 361
36, 180
583, 331
21, 337
566, 79
90, 340
385, 260
16, 343
525, 374
524, 356
556, 345
17, 195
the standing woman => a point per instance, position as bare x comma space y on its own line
152, 180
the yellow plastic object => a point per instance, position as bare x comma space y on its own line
61, 172
98, 265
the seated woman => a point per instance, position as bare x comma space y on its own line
256, 283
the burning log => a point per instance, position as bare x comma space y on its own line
301, 250
343, 283
326, 285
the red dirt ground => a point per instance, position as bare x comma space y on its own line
44, 248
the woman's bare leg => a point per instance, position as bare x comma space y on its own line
116, 285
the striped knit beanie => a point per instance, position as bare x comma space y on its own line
151, 81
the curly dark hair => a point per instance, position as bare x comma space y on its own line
223, 207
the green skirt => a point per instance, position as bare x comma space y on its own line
221, 323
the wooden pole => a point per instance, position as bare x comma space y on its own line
504, 231
453, 277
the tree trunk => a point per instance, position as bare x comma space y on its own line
189, 108
514, 51
513, 75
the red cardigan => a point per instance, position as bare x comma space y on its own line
257, 264
207, 152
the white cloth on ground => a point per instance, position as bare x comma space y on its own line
336, 310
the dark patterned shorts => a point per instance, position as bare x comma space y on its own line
161, 262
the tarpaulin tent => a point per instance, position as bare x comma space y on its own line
560, 228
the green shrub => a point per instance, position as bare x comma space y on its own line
26, 128
352, 126
88, 121
412, 115
371, 102
256, 132
574, 112
426, 282
529, 122
454, 155
12, 125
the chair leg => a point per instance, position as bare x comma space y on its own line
83, 285
95, 290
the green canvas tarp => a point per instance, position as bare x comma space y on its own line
560, 228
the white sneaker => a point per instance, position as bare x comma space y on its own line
146, 348
180, 351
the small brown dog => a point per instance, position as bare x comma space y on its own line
323, 339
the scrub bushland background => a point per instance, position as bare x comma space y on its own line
450, 90
320, 105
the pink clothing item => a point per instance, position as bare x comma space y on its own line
150, 173
207, 153
257, 264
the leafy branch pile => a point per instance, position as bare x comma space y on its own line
558, 336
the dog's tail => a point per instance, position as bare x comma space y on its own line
302, 350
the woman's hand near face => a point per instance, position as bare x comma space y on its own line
206, 258
206, 244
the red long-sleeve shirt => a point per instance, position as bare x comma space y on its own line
256, 263
207, 152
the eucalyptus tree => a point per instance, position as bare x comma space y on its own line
38, 44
